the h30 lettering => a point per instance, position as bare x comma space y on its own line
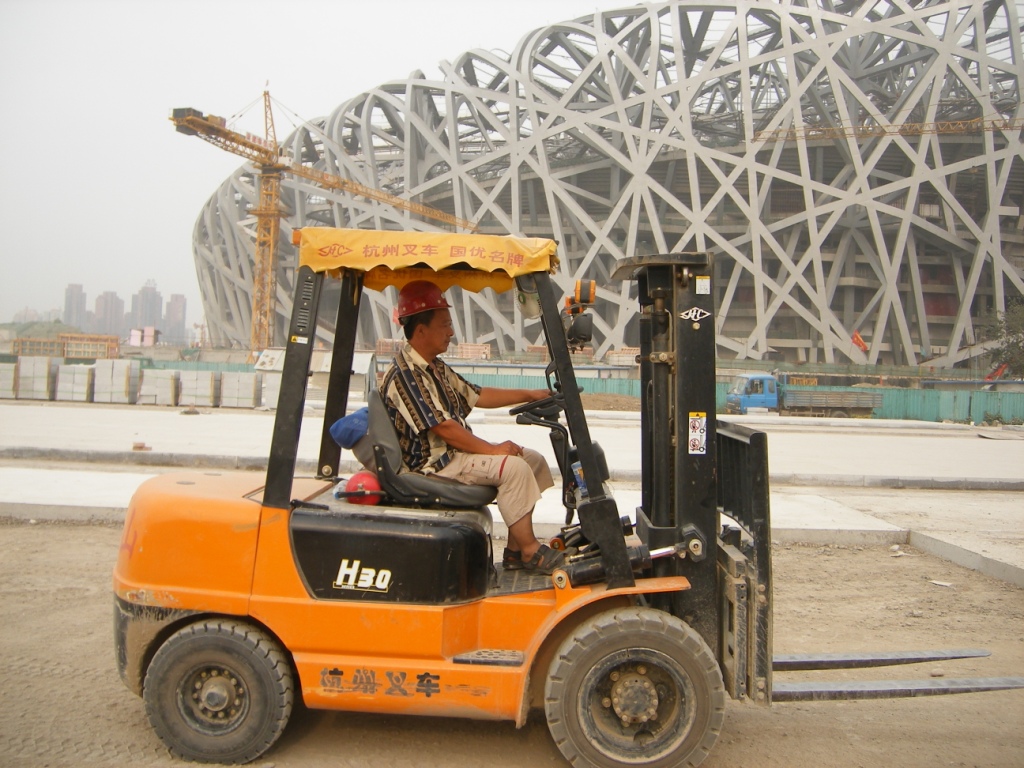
352, 575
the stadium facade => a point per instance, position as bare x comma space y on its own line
857, 168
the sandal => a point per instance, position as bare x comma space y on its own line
545, 560
512, 560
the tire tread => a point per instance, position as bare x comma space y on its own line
629, 621
250, 640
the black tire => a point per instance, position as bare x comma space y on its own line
669, 701
219, 692
839, 414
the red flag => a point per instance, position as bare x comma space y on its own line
997, 372
859, 341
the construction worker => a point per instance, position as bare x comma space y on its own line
429, 402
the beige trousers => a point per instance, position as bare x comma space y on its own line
519, 480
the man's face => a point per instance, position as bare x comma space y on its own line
436, 334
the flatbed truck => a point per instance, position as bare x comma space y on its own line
750, 391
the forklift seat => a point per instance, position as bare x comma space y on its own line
412, 488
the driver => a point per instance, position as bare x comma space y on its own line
428, 403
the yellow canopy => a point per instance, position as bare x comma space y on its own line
472, 262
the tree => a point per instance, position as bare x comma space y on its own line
1007, 330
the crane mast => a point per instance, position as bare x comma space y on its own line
271, 164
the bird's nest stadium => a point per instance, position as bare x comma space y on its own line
857, 169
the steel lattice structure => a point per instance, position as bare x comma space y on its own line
854, 166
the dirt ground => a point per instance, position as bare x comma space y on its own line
596, 402
63, 704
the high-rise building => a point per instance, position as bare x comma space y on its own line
109, 314
174, 320
75, 313
147, 307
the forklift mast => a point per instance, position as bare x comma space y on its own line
678, 435
699, 473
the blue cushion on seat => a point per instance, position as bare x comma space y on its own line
349, 430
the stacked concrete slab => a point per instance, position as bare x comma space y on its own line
36, 377
75, 383
8, 381
117, 381
271, 389
159, 387
200, 388
241, 389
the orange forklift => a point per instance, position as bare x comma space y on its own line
233, 593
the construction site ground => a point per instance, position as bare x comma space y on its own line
64, 704
848, 576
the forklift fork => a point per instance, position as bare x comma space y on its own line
882, 689
745, 588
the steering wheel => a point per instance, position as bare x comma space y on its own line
534, 405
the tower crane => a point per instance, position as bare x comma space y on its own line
266, 155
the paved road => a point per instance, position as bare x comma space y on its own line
809, 451
952, 490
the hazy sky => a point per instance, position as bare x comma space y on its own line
99, 189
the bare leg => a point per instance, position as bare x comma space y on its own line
521, 536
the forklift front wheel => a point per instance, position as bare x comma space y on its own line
219, 691
637, 687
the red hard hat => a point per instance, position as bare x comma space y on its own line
363, 481
419, 296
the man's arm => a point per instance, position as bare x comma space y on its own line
460, 438
494, 397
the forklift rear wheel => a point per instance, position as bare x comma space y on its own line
219, 691
634, 686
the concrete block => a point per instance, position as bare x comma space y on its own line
36, 377
117, 381
271, 389
8, 381
159, 388
241, 389
75, 383
200, 388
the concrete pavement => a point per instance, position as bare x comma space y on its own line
847, 482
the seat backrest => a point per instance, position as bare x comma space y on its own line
413, 488
381, 431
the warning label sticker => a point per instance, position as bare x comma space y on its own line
697, 444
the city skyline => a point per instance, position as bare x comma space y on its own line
146, 308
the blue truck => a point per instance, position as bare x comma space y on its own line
798, 395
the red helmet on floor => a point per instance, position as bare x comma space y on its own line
419, 296
362, 485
